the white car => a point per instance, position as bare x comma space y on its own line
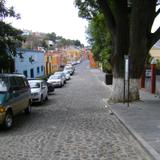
39, 90
69, 68
67, 74
61, 74
56, 80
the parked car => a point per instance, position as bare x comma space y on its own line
79, 61
67, 74
74, 62
61, 73
15, 96
56, 80
39, 90
69, 68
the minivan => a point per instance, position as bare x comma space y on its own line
15, 96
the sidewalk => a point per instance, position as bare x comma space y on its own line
141, 118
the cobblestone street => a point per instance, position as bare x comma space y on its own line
73, 124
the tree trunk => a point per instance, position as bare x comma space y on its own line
130, 30
118, 94
138, 50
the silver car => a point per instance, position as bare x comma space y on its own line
67, 74
56, 80
61, 74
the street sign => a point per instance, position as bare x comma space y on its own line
126, 67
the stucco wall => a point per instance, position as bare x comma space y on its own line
31, 64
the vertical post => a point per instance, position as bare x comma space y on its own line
124, 87
153, 75
126, 77
153, 79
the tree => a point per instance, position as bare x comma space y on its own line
100, 40
10, 38
129, 23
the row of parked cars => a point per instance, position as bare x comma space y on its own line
18, 93
58, 79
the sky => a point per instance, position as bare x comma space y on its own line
59, 16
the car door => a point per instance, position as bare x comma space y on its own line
14, 94
44, 89
23, 96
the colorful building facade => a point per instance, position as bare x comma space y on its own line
53, 61
31, 65
92, 61
72, 55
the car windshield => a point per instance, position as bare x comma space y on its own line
3, 84
66, 71
68, 67
55, 77
34, 84
57, 73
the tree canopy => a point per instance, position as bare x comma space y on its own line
129, 23
10, 37
49, 41
100, 40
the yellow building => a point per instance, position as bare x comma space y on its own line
155, 52
52, 62
73, 55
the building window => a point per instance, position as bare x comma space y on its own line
38, 70
42, 68
25, 73
32, 73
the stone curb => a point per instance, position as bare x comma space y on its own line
149, 149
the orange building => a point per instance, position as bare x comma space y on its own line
92, 61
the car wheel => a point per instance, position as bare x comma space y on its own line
28, 109
46, 97
8, 120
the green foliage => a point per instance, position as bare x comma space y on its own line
87, 8
10, 40
148, 60
100, 40
7, 12
42, 40
10, 37
51, 36
122, 19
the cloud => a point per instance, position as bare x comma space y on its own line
59, 16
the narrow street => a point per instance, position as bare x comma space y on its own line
73, 124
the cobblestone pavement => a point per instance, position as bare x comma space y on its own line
72, 125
